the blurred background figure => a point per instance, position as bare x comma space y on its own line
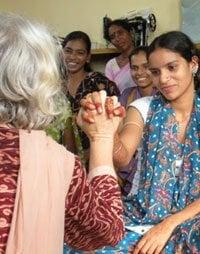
141, 75
118, 32
80, 81
144, 87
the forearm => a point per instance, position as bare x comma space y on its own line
187, 213
101, 149
128, 138
121, 156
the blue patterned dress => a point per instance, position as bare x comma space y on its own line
164, 188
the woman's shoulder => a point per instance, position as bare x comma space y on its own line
143, 101
111, 62
111, 65
142, 105
127, 95
128, 91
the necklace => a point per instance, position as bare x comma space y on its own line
183, 124
185, 120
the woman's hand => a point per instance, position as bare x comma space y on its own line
93, 101
156, 238
94, 119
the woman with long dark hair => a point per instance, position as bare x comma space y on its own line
163, 216
80, 81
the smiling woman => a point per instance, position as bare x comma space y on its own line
81, 80
171, 73
140, 73
164, 215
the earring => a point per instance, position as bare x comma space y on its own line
194, 71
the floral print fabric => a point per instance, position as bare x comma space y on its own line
94, 81
164, 189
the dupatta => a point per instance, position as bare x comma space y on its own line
163, 189
44, 178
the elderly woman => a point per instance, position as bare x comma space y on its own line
45, 196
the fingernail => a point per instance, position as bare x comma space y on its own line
98, 108
116, 112
90, 105
91, 120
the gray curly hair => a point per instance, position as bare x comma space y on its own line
30, 84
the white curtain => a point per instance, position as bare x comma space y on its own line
191, 19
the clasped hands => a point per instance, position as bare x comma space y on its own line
100, 115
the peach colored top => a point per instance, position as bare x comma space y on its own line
40, 230
21, 214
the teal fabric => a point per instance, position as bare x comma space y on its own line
165, 189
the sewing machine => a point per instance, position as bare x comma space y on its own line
141, 26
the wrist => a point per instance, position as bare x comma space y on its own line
102, 142
101, 136
101, 150
102, 170
173, 221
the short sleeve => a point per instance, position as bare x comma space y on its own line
109, 69
142, 105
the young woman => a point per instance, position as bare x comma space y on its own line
142, 77
118, 69
81, 81
46, 197
164, 215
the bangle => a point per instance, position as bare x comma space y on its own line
118, 149
132, 123
101, 136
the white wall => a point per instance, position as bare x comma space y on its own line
68, 15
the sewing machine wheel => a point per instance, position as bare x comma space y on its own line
152, 22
